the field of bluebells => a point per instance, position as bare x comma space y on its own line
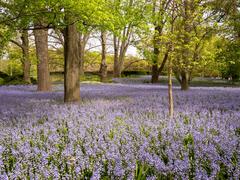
119, 131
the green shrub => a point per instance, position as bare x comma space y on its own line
17, 80
2, 81
137, 73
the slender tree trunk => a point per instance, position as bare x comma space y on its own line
82, 41
103, 67
165, 58
81, 53
235, 17
41, 42
26, 61
71, 64
170, 71
170, 93
81, 58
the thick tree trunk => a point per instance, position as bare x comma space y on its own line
156, 52
117, 72
155, 73
121, 58
41, 42
184, 81
71, 65
103, 66
183, 78
26, 61
120, 49
116, 69
186, 41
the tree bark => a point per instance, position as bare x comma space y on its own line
156, 53
157, 71
103, 66
185, 53
71, 64
170, 93
121, 59
116, 70
41, 42
81, 58
165, 58
235, 17
120, 49
26, 61
82, 41
184, 81
155, 74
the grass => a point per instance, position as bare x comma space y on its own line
132, 78
196, 82
87, 77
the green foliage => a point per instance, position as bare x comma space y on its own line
143, 171
2, 81
9, 160
134, 73
191, 34
5, 35
229, 54
11, 65
56, 60
207, 65
17, 80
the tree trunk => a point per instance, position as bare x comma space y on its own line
81, 54
120, 49
184, 81
121, 57
117, 72
41, 42
82, 41
156, 52
26, 61
165, 58
170, 94
186, 41
235, 16
71, 64
116, 69
155, 73
103, 67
